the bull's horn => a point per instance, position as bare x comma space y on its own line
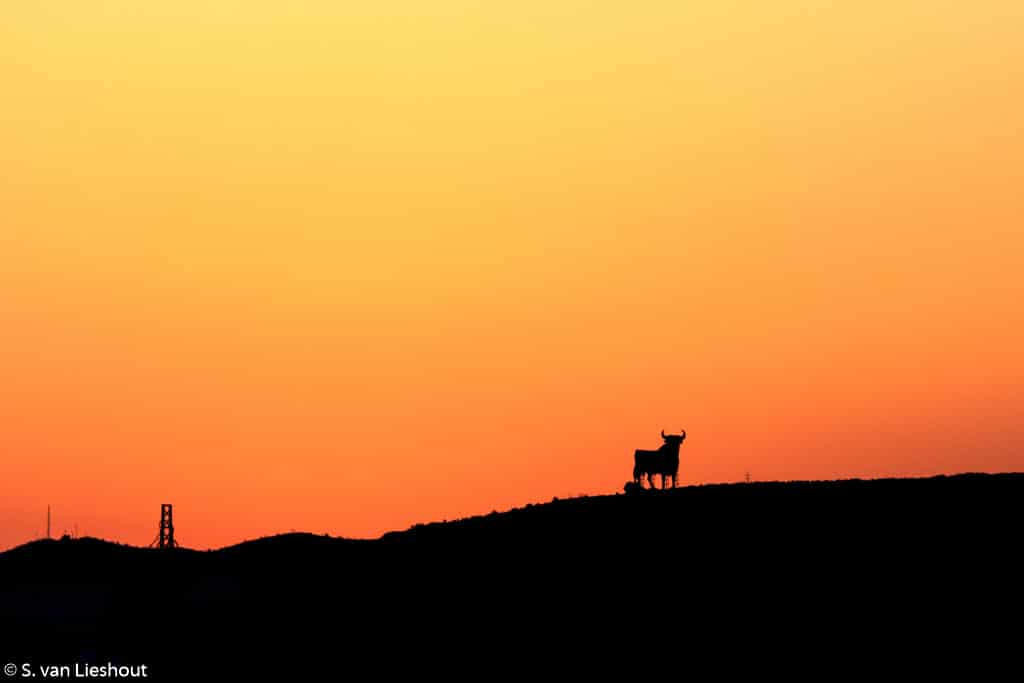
663, 433
684, 433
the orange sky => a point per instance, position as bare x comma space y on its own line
344, 268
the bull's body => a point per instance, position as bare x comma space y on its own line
664, 461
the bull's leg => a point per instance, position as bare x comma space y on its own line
662, 481
674, 479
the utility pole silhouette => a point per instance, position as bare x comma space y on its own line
748, 477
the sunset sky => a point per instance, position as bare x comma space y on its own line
344, 267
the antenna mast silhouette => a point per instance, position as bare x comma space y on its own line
166, 539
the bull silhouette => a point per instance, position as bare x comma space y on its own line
664, 461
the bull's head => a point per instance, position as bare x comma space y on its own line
673, 439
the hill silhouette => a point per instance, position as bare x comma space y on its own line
599, 582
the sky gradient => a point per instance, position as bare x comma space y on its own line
345, 267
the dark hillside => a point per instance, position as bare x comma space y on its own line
561, 583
